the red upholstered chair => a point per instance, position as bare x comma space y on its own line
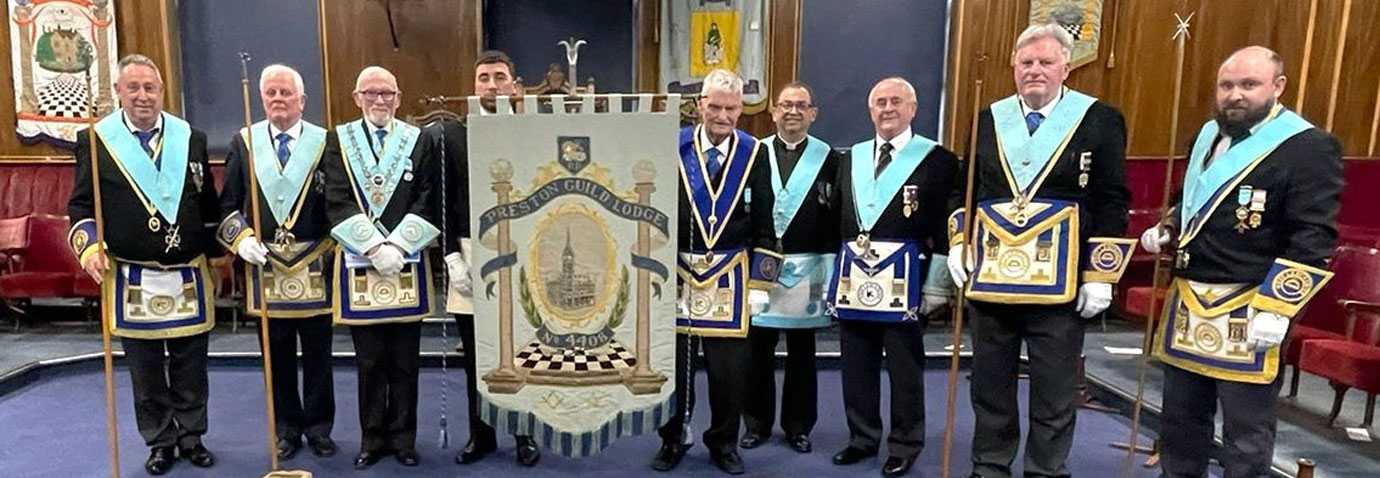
1134, 287
1324, 317
40, 264
1352, 361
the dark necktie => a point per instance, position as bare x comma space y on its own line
884, 159
283, 152
1033, 120
378, 145
711, 162
145, 138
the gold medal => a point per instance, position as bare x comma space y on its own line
906, 210
1255, 220
1083, 180
155, 224
377, 198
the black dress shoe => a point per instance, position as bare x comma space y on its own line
160, 460
729, 462
321, 446
527, 452
751, 440
287, 448
668, 456
800, 443
407, 457
198, 455
853, 455
475, 451
366, 459
896, 466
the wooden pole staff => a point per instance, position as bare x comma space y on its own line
1181, 38
1307, 55
253, 193
1337, 64
952, 392
108, 354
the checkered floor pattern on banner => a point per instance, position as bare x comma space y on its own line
65, 97
609, 357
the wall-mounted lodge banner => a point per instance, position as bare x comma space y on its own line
1082, 19
573, 216
63, 59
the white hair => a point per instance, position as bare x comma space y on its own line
369, 71
910, 89
281, 69
141, 60
722, 80
1042, 31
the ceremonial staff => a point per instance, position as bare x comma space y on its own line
1180, 36
443, 439
959, 304
111, 426
253, 193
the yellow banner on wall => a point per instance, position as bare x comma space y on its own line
714, 41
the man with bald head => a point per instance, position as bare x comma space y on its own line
1251, 234
287, 254
381, 181
152, 265
1050, 202
895, 190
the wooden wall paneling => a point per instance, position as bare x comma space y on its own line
437, 48
648, 18
1359, 79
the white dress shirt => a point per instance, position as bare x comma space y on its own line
722, 146
897, 142
293, 132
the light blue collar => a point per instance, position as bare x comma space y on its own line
1025, 156
872, 193
158, 184
791, 194
283, 185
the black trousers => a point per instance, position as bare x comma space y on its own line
726, 360
170, 388
311, 411
860, 349
1053, 336
799, 392
387, 356
1248, 425
480, 433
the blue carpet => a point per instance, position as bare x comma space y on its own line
56, 429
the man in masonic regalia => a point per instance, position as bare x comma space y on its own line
381, 175
152, 266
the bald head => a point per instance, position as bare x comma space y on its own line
1249, 84
892, 106
376, 94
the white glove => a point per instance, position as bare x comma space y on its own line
387, 259
1266, 331
757, 301
1093, 298
458, 270
932, 302
252, 251
1154, 239
958, 271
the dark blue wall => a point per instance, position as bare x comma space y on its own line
529, 29
846, 46
272, 31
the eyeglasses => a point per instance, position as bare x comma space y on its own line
798, 105
372, 95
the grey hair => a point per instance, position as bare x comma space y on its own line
278, 68
722, 80
374, 70
1042, 31
137, 59
896, 79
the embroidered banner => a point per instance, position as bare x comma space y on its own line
572, 213
64, 58
1082, 19
702, 35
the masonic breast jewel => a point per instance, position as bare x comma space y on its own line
1250, 205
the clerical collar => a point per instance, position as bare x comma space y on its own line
722, 146
1045, 110
157, 124
789, 145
